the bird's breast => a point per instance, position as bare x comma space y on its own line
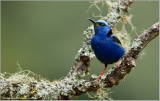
106, 50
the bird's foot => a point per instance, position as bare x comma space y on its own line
101, 73
119, 62
99, 77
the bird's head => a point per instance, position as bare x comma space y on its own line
100, 27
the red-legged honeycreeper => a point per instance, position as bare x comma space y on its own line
105, 44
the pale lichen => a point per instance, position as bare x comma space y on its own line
136, 43
86, 49
31, 88
101, 94
93, 76
24, 89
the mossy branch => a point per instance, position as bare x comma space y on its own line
27, 85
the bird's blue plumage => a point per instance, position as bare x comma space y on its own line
105, 44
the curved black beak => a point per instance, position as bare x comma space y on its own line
94, 23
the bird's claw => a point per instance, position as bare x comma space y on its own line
119, 62
99, 77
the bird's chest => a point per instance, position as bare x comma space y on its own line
103, 48
100, 44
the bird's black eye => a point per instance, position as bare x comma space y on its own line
101, 24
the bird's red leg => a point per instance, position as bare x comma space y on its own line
119, 62
102, 72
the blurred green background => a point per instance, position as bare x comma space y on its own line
44, 37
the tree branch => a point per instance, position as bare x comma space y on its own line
24, 85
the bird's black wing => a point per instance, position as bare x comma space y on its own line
109, 33
115, 39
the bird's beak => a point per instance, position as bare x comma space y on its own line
94, 23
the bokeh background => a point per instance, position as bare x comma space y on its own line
44, 37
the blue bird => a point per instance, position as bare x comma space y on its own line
105, 44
